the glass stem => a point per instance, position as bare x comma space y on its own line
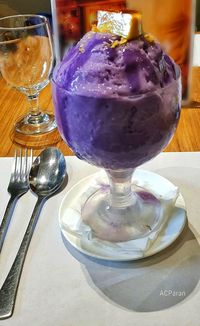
34, 108
120, 188
35, 116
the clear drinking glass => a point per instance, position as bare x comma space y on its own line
26, 63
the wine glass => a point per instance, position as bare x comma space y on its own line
119, 134
26, 63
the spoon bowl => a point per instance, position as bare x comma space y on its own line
48, 172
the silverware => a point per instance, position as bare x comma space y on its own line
46, 176
17, 187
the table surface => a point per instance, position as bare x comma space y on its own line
13, 105
63, 287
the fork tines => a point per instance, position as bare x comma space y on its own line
22, 163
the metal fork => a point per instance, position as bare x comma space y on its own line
17, 187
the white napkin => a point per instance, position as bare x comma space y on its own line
72, 222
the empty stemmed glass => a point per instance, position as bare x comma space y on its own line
26, 63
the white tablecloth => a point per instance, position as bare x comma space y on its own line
61, 287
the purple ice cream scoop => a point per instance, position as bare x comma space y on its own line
116, 107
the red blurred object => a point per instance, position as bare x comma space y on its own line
68, 17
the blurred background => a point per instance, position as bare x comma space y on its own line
8, 7
197, 22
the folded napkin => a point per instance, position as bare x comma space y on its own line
73, 224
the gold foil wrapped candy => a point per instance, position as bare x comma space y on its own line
128, 25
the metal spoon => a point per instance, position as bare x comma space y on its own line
46, 176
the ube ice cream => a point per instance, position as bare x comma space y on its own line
116, 106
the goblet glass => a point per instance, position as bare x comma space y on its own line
119, 134
26, 63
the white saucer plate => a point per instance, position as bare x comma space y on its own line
146, 179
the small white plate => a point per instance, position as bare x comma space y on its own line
148, 180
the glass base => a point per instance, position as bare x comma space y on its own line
117, 221
36, 124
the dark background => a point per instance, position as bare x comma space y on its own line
198, 15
